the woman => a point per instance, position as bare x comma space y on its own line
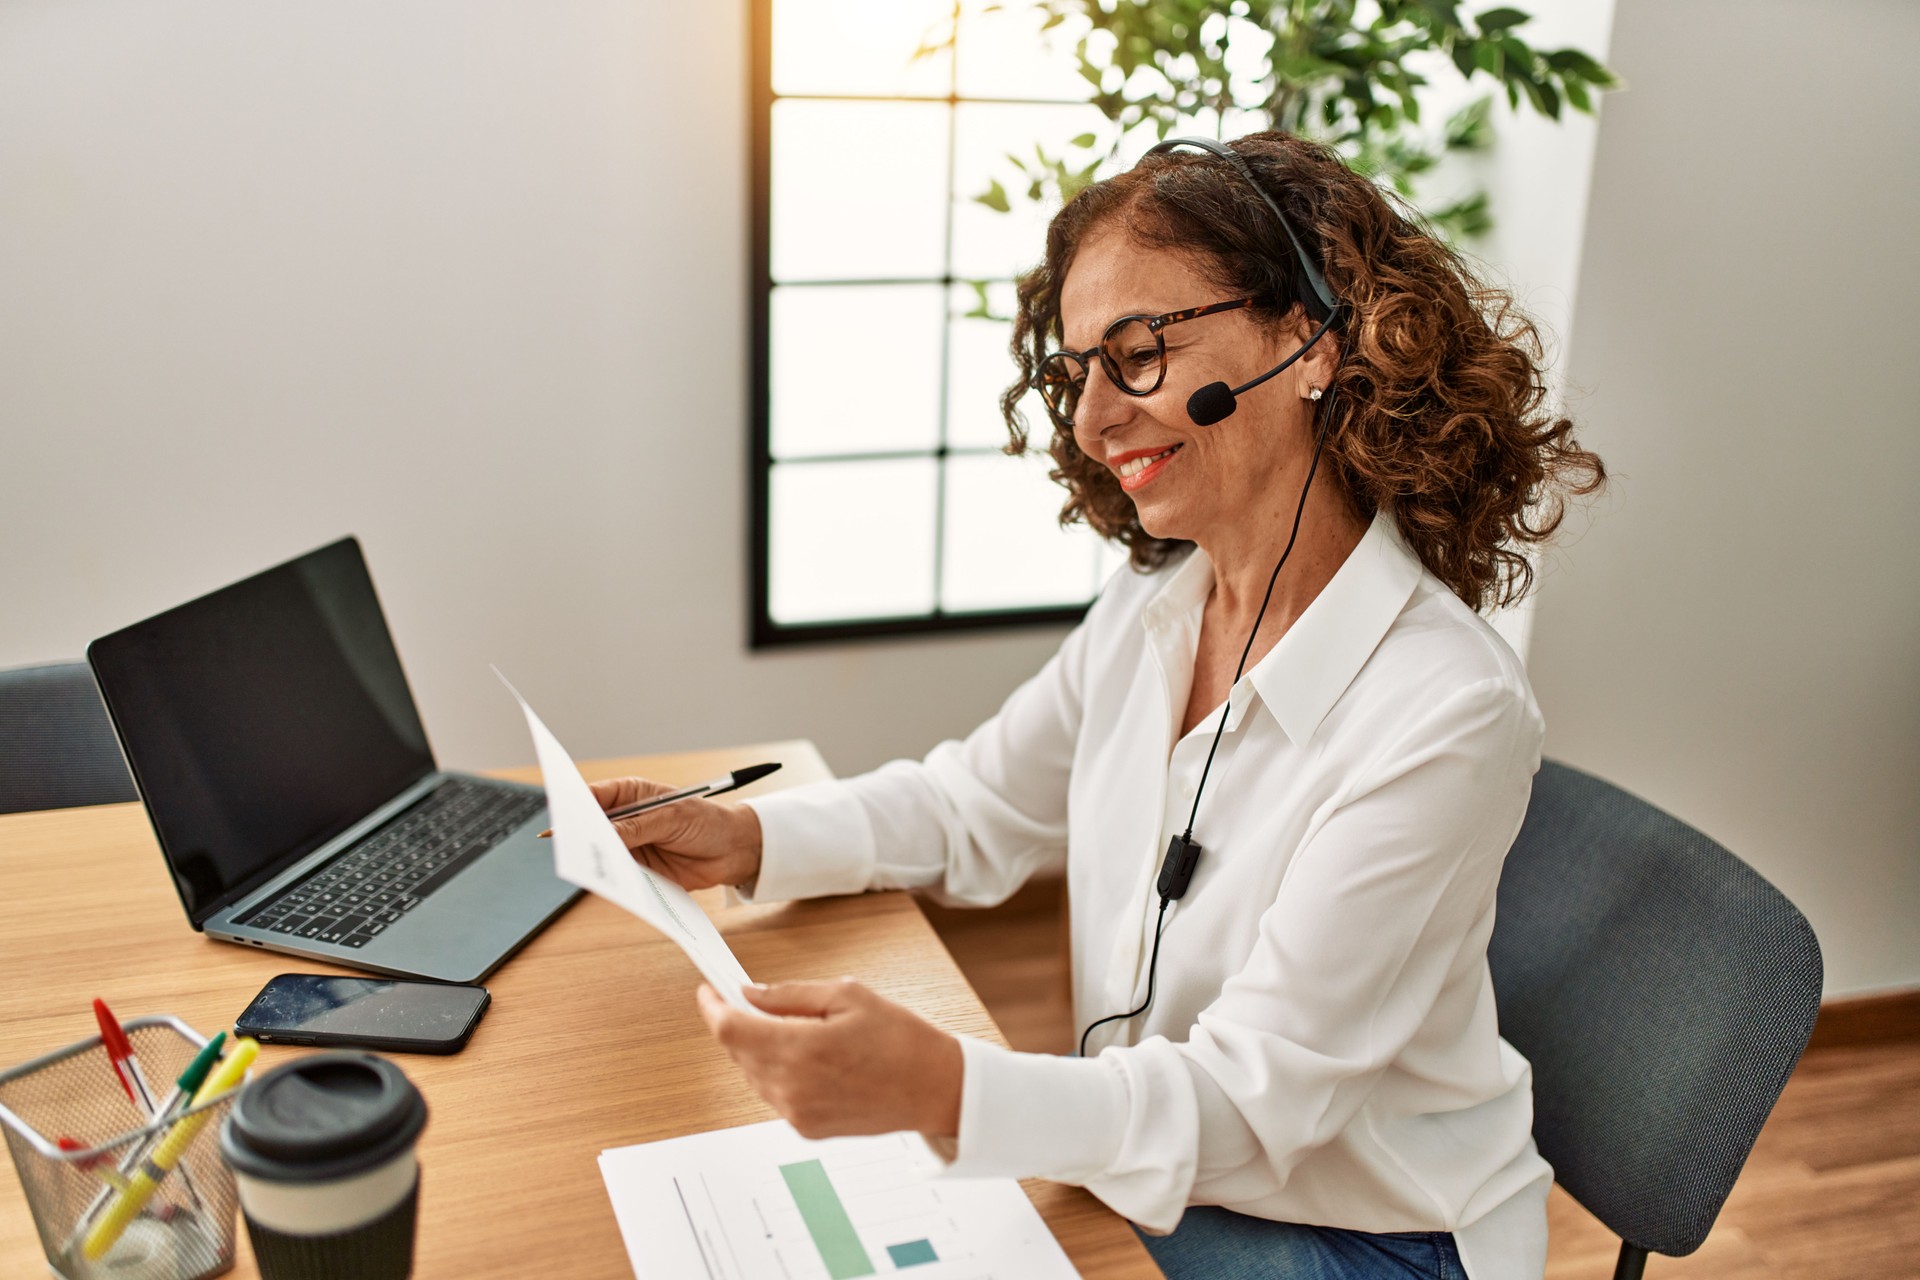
1305, 1075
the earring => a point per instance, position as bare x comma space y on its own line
1313, 394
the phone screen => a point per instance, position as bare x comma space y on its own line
322, 1009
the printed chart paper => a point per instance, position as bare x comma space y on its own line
588, 852
761, 1201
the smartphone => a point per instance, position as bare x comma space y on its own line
393, 1014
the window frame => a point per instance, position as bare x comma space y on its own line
764, 632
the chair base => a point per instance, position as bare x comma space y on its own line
1632, 1264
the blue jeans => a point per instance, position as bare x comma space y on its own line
1212, 1243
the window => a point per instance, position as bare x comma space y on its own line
881, 500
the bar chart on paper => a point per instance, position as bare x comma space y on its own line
761, 1201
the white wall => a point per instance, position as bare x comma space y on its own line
465, 277
1538, 174
1737, 634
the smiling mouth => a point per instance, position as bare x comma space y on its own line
1136, 471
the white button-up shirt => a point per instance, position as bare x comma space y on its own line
1322, 1045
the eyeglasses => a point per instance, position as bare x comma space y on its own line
1132, 351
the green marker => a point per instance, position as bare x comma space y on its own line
196, 1073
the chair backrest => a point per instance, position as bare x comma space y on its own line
1663, 992
57, 747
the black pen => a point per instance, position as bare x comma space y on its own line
731, 782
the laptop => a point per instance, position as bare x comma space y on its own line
282, 761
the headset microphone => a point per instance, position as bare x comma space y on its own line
1211, 403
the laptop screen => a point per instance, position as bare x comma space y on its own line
262, 720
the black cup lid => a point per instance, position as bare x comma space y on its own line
321, 1117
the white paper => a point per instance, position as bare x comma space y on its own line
588, 852
717, 1205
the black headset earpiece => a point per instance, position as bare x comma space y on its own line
1216, 401
1309, 268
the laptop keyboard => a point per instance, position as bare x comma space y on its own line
358, 896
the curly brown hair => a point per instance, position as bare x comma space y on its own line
1442, 413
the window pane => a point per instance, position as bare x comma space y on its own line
979, 368
860, 46
851, 540
987, 244
856, 368
1004, 546
859, 189
1004, 55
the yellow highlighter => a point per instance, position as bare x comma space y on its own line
127, 1204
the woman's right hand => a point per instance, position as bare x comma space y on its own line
694, 843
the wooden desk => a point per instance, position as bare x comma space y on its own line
512, 1187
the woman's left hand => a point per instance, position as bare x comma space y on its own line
836, 1059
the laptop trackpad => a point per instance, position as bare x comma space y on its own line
513, 883
482, 914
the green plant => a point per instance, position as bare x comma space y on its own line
1345, 72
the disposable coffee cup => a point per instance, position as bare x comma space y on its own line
323, 1152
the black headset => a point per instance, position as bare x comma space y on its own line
1210, 404
1215, 401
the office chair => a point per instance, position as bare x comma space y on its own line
1663, 992
57, 747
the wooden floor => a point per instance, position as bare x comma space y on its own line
1831, 1192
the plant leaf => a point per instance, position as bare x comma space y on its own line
1469, 129
1574, 64
1501, 20
1519, 57
982, 308
1464, 219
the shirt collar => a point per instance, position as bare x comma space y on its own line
1322, 652
1325, 648
1182, 596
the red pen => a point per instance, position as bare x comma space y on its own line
126, 1067
74, 1144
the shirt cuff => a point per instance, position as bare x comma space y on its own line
814, 841
1034, 1115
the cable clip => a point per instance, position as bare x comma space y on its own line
1176, 872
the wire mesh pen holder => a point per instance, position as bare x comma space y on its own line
66, 1121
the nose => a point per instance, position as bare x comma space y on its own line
1102, 407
